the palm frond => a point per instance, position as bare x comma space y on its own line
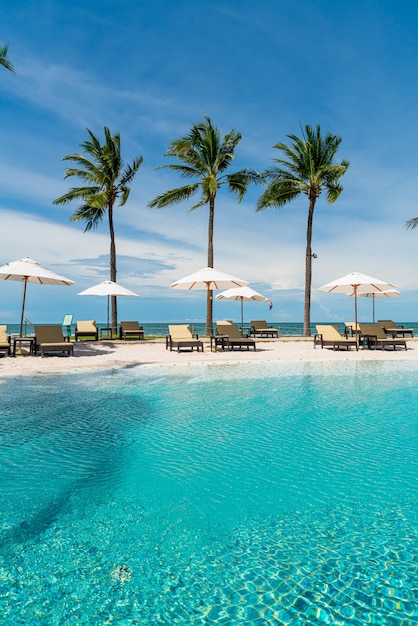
412, 223
130, 171
186, 171
173, 196
124, 195
77, 194
202, 202
91, 215
86, 168
329, 177
333, 192
92, 147
277, 195
4, 61
239, 182
89, 177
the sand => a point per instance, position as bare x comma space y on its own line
105, 355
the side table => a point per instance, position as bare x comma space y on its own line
108, 330
219, 340
30, 341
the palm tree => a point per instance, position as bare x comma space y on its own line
307, 167
4, 61
205, 155
108, 180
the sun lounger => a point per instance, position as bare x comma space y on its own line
131, 330
233, 336
394, 330
351, 329
260, 328
375, 337
329, 335
86, 328
51, 339
180, 337
4, 340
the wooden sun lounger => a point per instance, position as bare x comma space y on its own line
233, 336
351, 329
394, 330
329, 335
376, 337
131, 330
180, 337
260, 328
4, 340
51, 339
86, 328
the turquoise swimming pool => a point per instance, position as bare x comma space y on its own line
243, 494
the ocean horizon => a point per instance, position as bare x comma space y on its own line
160, 329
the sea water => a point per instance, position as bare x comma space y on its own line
243, 494
160, 329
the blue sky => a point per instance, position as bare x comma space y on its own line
149, 70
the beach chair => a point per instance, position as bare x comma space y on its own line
130, 330
86, 328
4, 340
375, 337
351, 329
260, 328
329, 335
394, 330
232, 334
51, 339
180, 337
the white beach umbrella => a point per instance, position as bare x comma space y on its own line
389, 293
355, 283
107, 288
29, 271
208, 279
242, 294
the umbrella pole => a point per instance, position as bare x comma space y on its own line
25, 282
373, 306
242, 316
209, 310
108, 299
355, 315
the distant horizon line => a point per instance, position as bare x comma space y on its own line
202, 322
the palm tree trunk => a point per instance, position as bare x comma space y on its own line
308, 271
112, 257
209, 302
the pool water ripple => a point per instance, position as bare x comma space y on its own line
214, 496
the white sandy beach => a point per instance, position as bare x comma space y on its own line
106, 355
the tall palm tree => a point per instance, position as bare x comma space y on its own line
108, 179
307, 168
4, 61
204, 155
